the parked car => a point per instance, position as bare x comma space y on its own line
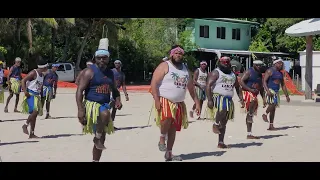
66, 72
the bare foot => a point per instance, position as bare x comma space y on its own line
215, 129
32, 136
265, 118
271, 128
48, 117
222, 146
98, 144
252, 137
25, 129
191, 114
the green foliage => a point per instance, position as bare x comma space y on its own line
186, 41
271, 36
258, 46
140, 43
3, 50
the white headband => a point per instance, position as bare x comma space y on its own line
276, 61
43, 66
118, 61
258, 62
89, 63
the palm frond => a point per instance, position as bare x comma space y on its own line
50, 21
70, 21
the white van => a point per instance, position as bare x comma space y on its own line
66, 72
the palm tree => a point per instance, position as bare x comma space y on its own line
69, 22
49, 21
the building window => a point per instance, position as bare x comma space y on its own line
221, 32
204, 31
236, 34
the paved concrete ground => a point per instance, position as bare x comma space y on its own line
297, 140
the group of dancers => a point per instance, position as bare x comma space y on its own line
171, 79
98, 92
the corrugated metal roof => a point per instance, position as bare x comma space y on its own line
232, 20
224, 51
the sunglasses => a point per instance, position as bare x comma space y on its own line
102, 57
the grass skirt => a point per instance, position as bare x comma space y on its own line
220, 103
92, 113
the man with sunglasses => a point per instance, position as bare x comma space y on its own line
200, 80
120, 82
220, 90
97, 82
251, 84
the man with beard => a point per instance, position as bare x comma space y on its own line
31, 104
120, 82
220, 90
50, 86
251, 84
14, 82
93, 111
200, 80
169, 85
89, 63
272, 80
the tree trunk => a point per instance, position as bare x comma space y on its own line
308, 73
29, 30
66, 46
16, 39
53, 39
84, 42
18, 29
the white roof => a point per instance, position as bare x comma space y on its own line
224, 51
305, 28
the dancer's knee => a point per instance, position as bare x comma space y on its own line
105, 116
34, 113
272, 107
166, 125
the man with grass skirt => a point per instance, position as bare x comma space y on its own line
251, 84
50, 86
272, 80
220, 90
32, 88
169, 85
97, 82
14, 83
